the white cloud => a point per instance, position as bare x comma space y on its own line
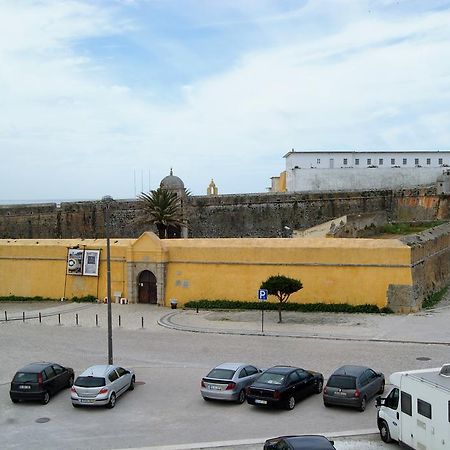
374, 82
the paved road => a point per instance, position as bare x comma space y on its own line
167, 408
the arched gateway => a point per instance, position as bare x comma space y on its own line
147, 291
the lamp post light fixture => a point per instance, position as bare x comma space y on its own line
107, 201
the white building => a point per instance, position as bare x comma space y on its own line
360, 170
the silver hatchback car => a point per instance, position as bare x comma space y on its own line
228, 381
101, 385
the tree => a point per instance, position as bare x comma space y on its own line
282, 287
162, 208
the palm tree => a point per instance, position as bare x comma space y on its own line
162, 208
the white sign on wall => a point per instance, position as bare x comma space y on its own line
83, 262
90, 265
75, 261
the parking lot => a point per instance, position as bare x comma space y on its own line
166, 407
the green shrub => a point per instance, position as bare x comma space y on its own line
15, 298
85, 299
433, 299
302, 307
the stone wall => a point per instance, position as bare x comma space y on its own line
430, 269
246, 215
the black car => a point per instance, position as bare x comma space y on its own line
312, 442
353, 386
283, 386
38, 381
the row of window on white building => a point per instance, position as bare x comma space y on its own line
373, 161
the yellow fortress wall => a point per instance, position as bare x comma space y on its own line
354, 271
37, 267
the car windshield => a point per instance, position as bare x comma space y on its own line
90, 382
271, 378
223, 374
24, 377
341, 381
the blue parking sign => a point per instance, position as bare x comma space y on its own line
263, 295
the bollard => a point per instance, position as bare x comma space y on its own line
76, 319
142, 322
96, 320
119, 320
40, 318
59, 319
6, 317
197, 308
23, 317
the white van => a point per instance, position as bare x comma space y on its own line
416, 413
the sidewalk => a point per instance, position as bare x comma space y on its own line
425, 327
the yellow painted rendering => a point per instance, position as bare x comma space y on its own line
354, 271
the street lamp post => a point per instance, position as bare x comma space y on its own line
107, 200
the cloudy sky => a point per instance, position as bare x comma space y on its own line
105, 96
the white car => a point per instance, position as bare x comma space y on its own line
101, 385
228, 382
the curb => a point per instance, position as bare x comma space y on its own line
166, 322
229, 445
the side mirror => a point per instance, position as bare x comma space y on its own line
379, 401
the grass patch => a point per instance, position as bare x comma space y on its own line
302, 307
408, 228
433, 299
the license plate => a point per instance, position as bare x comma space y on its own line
24, 386
214, 388
83, 400
342, 394
261, 402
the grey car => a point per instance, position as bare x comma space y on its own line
101, 385
353, 386
228, 381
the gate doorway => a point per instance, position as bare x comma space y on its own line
147, 292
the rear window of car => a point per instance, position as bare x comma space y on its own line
25, 377
90, 382
342, 382
271, 378
223, 374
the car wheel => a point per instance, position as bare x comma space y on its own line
206, 399
384, 432
362, 406
75, 405
112, 401
45, 398
290, 404
381, 388
326, 404
14, 400
242, 396
70, 381
131, 387
319, 387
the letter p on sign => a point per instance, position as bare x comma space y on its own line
262, 295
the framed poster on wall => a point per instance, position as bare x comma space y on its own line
75, 261
90, 265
